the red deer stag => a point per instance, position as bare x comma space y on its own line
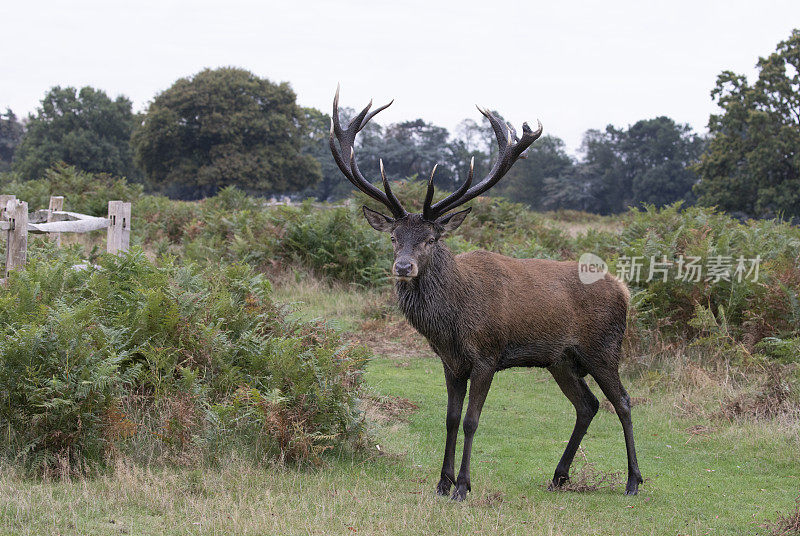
483, 312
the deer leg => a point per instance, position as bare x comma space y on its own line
609, 382
456, 389
480, 381
586, 405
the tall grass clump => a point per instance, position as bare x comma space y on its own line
175, 362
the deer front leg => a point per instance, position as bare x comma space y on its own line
456, 389
480, 381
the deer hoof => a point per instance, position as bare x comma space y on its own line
459, 494
558, 482
443, 488
632, 488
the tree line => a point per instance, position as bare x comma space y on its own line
227, 126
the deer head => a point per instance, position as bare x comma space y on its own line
416, 236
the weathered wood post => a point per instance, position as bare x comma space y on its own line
119, 228
4, 199
17, 244
56, 204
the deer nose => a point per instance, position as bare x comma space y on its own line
403, 268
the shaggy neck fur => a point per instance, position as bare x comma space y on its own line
433, 301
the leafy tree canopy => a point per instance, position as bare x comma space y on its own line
408, 149
11, 132
333, 184
647, 163
752, 164
85, 129
225, 127
547, 158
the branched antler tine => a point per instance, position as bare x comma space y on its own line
337, 155
346, 138
528, 133
497, 126
335, 126
510, 150
359, 121
372, 114
396, 208
426, 206
512, 132
364, 185
436, 209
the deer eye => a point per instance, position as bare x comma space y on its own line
394, 240
431, 240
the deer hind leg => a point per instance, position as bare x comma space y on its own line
456, 390
608, 380
586, 405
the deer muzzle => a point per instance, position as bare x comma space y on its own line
404, 269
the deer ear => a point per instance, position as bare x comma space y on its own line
452, 221
378, 221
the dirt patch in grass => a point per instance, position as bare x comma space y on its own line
386, 332
491, 498
395, 339
386, 408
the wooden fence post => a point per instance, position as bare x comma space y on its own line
4, 199
17, 245
56, 204
119, 229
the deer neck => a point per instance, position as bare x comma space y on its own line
433, 301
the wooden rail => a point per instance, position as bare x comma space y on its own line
16, 223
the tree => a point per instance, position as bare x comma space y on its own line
574, 188
408, 149
11, 132
547, 158
752, 164
658, 155
333, 185
85, 129
225, 127
650, 162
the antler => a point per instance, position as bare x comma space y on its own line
510, 149
349, 168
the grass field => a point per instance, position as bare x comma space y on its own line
701, 476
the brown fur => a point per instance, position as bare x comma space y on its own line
483, 312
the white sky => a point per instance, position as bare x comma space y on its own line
574, 64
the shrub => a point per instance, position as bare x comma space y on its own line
204, 355
753, 307
337, 243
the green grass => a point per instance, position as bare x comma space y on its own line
729, 481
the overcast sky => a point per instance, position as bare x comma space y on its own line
574, 65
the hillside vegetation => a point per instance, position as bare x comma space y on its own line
240, 333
